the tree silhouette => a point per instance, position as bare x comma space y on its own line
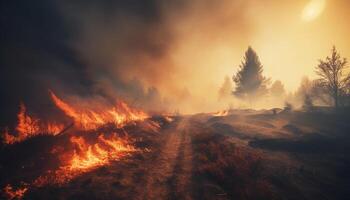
277, 89
332, 78
225, 89
250, 83
308, 104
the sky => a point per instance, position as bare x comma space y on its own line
159, 55
292, 46
289, 37
289, 45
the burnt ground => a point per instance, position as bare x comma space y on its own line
244, 155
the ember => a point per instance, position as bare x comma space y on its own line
11, 193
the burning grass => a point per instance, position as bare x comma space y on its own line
75, 155
78, 152
29, 126
57, 161
88, 118
85, 156
84, 118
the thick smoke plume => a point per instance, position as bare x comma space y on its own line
144, 52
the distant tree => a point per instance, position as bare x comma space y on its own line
305, 87
313, 90
226, 88
308, 104
277, 89
345, 97
288, 107
331, 76
250, 82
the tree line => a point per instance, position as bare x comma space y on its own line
331, 88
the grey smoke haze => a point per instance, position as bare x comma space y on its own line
122, 46
112, 49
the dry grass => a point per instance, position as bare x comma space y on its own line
238, 172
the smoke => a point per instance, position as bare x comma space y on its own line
158, 55
150, 53
124, 47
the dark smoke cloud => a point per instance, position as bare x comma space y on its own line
122, 45
110, 49
34, 55
71, 46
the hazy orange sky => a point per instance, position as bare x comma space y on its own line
288, 44
289, 36
160, 54
185, 49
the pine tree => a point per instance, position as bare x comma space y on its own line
226, 88
277, 89
250, 82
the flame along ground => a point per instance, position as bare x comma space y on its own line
87, 119
221, 113
29, 126
84, 119
85, 155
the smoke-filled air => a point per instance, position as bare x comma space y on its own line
177, 99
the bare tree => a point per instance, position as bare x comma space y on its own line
332, 78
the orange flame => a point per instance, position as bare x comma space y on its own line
11, 193
87, 157
29, 126
90, 156
221, 113
26, 125
88, 118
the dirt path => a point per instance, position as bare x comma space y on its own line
169, 176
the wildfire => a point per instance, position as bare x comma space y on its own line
90, 118
84, 119
11, 193
82, 153
86, 157
29, 126
221, 113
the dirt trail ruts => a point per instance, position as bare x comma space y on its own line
169, 176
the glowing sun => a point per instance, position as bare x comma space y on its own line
313, 9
